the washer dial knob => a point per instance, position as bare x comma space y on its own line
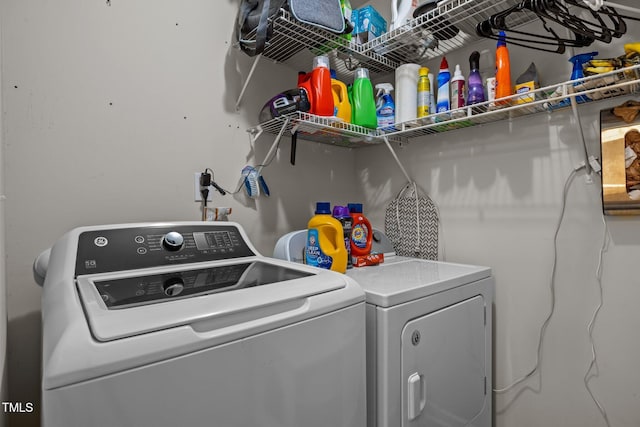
173, 241
173, 287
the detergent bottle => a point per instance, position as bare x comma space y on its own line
475, 88
361, 232
424, 92
503, 71
385, 107
342, 106
317, 84
363, 103
325, 247
442, 102
341, 213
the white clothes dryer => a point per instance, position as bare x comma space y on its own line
186, 324
429, 338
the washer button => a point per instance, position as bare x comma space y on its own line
142, 251
139, 239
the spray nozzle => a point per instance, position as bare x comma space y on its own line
383, 89
577, 61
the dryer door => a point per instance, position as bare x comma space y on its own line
443, 367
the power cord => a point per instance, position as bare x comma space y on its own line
552, 285
206, 181
594, 357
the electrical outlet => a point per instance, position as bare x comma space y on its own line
198, 195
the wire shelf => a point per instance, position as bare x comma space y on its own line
326, 130
547, 99
333, 131
450, 26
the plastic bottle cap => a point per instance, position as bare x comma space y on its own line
340, 211
334, 75
321, 61
444, 65
362, 73
424, 71
502, 39
323, 208
355, 207
457, 73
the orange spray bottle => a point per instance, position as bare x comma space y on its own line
503, 71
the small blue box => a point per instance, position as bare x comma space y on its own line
368, 24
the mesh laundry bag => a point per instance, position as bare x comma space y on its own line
411, 223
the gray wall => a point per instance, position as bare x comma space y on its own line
3, 270
108, 112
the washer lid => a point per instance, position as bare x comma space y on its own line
120, 305
401, 279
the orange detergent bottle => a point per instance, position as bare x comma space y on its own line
361, 231
325, 246
317, 84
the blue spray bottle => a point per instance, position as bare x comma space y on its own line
576, 73
578, 61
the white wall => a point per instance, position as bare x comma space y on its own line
108, 111
499, 189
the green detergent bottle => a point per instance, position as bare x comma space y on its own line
363, 102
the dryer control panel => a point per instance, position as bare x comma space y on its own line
108, 250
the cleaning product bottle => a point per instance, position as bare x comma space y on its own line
424, 92
443, 103
363, 103
341, 213
325, 246
432, 94
476, 90
385, 107
577, 73
342, 107
361, 233
503, 71
317, 83
457, 89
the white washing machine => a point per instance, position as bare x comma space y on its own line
186, 324
429, 338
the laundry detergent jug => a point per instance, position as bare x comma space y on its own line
325, 247
317, 85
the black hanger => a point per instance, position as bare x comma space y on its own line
596, 28
536, 41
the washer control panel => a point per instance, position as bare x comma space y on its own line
102, 251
